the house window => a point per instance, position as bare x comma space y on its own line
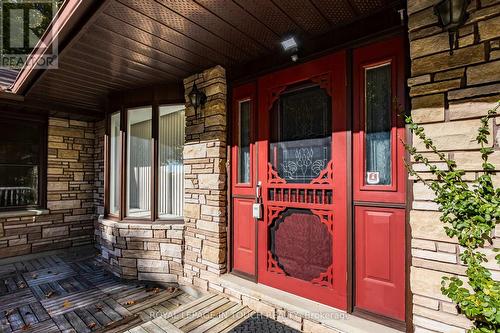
114, 171
378, 124
170, 165
22, 163
139, 145
148, 161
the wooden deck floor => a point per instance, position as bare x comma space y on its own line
61, 293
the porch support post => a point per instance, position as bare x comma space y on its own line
205, 179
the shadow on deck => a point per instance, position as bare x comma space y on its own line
66, 292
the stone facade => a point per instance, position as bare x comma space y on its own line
151, 252
205, 180
448, 94
69, 219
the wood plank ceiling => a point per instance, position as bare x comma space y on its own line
131, 43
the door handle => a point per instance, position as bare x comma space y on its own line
258, 191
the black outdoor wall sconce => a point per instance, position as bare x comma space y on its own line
452, 14
197, 98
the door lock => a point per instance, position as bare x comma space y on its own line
257, 206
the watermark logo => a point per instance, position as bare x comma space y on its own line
23, 23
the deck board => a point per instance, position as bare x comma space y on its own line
68, 293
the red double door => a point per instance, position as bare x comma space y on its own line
293, 152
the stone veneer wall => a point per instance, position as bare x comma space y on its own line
448, 94
70, 200
205, 180
150, 252
142, 251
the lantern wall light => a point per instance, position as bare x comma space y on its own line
452, 14
197, 98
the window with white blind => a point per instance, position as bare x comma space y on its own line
153, 142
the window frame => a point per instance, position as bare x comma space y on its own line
123, 107
42, 123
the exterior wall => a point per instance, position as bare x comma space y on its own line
205, 180
151, 252
448, 94
70, 201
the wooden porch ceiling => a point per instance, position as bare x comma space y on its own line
128, 44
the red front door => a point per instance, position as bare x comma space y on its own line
290, 144
301, 146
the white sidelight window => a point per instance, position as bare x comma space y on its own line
170, 165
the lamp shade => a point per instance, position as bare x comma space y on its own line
451, 13
197, 97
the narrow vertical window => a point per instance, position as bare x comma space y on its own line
378, 125
114, 165
245, 108
139, 148
170, 163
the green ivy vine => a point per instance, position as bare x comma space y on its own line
470, 211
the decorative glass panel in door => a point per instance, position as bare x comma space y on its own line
301, 130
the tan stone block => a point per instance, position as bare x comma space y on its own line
211, 181
129, 271
210, 226
427, 282
441, 61
57, 186
48, 232
215, 120
192, 211
192, 241
259, 306
426, 302
127, 262
54, 171
428, 108
63, 204
472, 108
436, 256
413, 81
178, 234
212, 254
153, 266
436, 87
418, 5
451, 74
141, 254
171, 250
422, 192
435, 326
489, 29
212, 210
195, 151
472, 161
456, 135
483, 73
426, 225
159, 233
447, 247
490, 89
160, 277
57, 145
67, 154
68, 132
429, 45
447, 318
423, 244
58, 122
421, 19
139, 233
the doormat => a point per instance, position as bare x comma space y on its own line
262, 324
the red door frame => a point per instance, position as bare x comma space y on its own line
330, 73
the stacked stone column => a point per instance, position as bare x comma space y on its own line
205, 179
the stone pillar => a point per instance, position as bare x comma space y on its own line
205, 179
448, 95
